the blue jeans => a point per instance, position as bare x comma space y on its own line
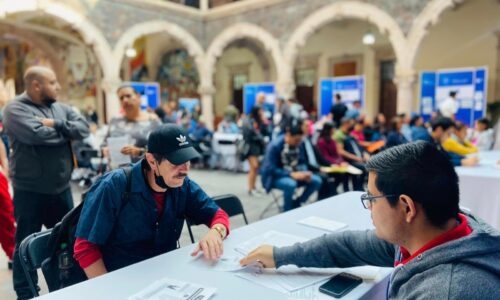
288, 186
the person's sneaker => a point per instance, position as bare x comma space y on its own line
255, 193
9, 264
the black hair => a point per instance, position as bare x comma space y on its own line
459, 125
442, 122
294, 127
414, 120
326, 130
255, 114
422, 172
394, 124
485, 122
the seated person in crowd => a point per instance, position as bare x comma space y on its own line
285, 168
352, 152
395, 136
358, 133
355, 111
458, 143
483, 136
113, 234
228, 125
438, 251
418, 130
315, 162
442, 128
135, 123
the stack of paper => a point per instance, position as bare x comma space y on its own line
322, 223
172, 289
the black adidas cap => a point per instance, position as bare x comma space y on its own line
173, 143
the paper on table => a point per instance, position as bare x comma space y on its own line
285, 279
172, 289
115, 145
322, 223
274, 238
224, 264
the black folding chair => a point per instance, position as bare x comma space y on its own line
32, 252
230, 203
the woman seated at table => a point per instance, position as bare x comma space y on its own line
329, 150
458, 143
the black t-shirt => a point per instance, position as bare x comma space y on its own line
338, 111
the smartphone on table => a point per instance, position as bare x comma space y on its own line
340, 284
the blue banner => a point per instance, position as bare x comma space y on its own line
427, 94
350, 88
469, 85
150, 93
250, 91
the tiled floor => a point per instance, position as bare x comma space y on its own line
213, 182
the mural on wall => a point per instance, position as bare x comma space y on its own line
81, 70
177, 76
15, 57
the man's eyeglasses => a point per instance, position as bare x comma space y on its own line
367, 199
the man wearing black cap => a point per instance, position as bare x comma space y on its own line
114, 232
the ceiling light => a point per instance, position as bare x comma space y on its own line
369, 38
130, 52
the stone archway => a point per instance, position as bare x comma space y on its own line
429, 17
220, 42
178, 33
353, 10
91, 35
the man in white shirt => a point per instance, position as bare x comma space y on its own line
449, 107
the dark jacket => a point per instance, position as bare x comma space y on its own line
134, 233
272, 167
320, 159
41, 159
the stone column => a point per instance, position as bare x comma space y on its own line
204, 5
112, 108
405, 83
497, 71
207, 105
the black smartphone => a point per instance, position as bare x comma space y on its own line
340, 284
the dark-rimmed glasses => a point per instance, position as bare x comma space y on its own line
367, 199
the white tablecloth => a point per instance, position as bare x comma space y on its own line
480, 188
178, 264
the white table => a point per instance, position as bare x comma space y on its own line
346, 208
480, 187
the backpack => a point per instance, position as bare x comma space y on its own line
60, 269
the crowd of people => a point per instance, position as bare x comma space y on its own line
136, 210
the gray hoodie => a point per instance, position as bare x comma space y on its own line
41, 160
466, 268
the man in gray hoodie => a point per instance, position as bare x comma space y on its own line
438, 251
40, 131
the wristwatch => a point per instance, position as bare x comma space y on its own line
221, 230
